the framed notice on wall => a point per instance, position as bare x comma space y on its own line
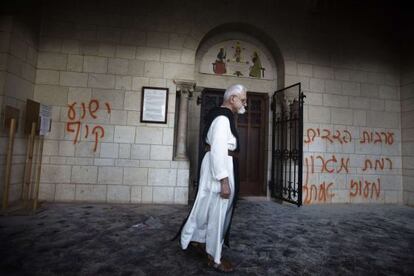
154, 105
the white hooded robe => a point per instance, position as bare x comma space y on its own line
210, 216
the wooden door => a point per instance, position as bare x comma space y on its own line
252, 134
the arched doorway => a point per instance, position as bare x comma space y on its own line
255, 127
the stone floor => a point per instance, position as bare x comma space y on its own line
267, 239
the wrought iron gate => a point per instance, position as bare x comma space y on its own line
287, 144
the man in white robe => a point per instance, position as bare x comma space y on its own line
210, 217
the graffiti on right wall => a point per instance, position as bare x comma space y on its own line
357, 177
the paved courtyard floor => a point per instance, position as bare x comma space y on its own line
267, 239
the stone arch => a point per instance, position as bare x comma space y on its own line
249, 33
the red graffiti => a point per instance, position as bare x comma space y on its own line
377, 137
341, 137
92, 108
313, 193
365, 189
379, 164
331, 165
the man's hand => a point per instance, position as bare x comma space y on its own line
225, 188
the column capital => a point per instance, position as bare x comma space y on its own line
185, 87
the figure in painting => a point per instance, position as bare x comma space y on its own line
256, 69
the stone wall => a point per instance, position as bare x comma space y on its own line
94, 57
18, 56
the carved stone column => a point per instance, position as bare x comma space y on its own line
185, 90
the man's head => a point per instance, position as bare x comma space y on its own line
235, 98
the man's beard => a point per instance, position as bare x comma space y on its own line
241, 110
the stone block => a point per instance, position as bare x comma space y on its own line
188, 56
118, 117
168, 136
73, 79
176, 41
148, 135
132, 100
157, 39
335, 100
106, 50
136, 67
163, 195
65, 192
140, 152
359, 102
115, 98
50, 147
351, 88
360, 118
133, 37
161, 152
139, 82
136, 176
79, 95
178, 71
319, 114
388, 92
75, 63
47, 77
118, 66
125, 51
55, 174
94, 64
382, 119
109, 150
180, 195
51, 95
136, 194
110, 175
168, 55
109, 162
127, 163
153, 69
124, 134
342, 116
84, 174
317, 85
53, 61
369, 90
323, 72
123, 82
155, 164
66, 148
119, 194
147, 194
160, 83
46, 192
145, 53
70, 46
92, 192
162, 177
376, 104
183, 178
101, 81
125, 151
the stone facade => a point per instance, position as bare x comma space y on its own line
92, 59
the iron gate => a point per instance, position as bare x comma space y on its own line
287, 144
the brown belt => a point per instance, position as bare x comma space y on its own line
229, 152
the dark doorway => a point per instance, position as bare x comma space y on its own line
252, 128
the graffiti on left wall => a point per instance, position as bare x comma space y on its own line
87, 111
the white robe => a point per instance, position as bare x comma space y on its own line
210, 216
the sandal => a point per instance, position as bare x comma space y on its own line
199, 248
225, 266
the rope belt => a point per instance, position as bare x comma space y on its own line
229, 152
